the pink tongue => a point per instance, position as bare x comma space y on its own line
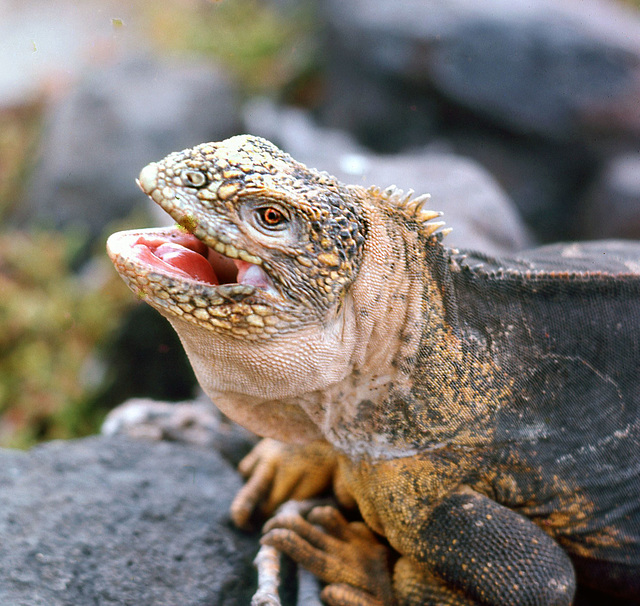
176, 259
188, 261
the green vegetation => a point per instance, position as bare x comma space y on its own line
19, 135
51, 321
265, 49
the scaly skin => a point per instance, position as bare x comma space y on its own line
483, 415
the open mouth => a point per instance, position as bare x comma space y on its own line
176, 253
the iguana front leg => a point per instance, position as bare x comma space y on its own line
278, 472
488, 553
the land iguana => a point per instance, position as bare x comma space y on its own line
482, 413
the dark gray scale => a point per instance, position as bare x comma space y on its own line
563, 324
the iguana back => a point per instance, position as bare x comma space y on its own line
563, 323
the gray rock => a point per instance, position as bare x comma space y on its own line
548, 68
196, 422
612, 206
114, 122
474, 205
383, 112
545, 182
117, 521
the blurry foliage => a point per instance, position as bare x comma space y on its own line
51, 322
19, 135
265, 49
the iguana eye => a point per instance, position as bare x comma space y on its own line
193, 178
271, 218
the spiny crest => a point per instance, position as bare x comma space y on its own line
414, 209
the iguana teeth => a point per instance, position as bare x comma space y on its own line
227, 290
245, 256
231, 251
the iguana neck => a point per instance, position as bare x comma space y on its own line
415, 385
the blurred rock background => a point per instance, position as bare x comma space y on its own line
521, 118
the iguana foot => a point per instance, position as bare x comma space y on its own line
278, 472
346, 555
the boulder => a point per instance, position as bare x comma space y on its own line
552, 69
119, 521
611, 208
474, 205
544, 181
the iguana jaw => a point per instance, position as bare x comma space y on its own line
180, 276
198, 271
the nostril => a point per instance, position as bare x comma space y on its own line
194, 178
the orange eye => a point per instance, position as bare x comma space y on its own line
272, 217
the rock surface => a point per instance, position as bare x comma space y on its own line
543, 67
123, 522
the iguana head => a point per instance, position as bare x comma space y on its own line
254, 276
263, 244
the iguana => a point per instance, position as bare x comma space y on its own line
483, 414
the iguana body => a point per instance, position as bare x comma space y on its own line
483, 414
